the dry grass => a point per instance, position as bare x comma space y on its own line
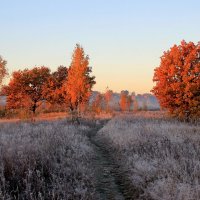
39, 117
45, 160
53, 159
161, 157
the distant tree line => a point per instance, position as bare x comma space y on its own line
124, 102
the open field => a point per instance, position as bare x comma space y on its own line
45, 160
100, 100
39, 117
160, 158
144, 155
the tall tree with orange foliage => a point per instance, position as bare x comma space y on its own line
3, 70
25, 88
178, 80
79, 83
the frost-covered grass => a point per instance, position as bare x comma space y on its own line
45, 160
161, 157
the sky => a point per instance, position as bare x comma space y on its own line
124, 39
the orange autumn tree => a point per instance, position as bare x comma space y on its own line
178, 80
124, 101
25, 88
78, 86
97, 104
52, 89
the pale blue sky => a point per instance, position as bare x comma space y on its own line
124, 38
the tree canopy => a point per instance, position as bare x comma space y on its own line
77, 88
52, 89
178, 80
26, 87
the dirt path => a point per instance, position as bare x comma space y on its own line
107, 183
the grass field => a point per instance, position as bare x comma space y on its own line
45, 160
160, 157
142, 155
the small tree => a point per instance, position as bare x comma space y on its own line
79, 83
97, 104
135, 102
178, 80
124, 101
25, 88
3, 70
108, 98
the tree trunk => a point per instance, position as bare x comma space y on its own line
34, 107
